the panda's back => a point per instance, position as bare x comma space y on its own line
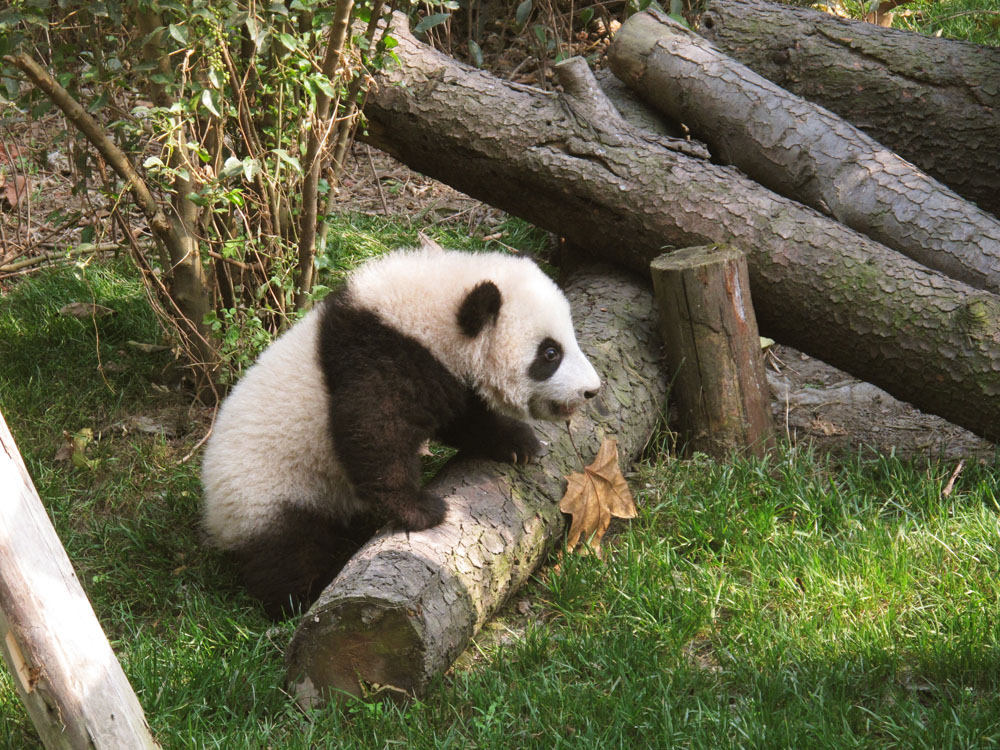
270, 448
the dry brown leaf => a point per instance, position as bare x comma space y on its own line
593, 497
15, 190
826, 428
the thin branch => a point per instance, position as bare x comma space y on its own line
37, 260
317, 139
87, 125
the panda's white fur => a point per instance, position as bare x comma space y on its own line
272, 456
270, 444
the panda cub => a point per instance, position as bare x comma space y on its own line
325, 429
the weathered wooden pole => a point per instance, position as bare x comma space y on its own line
63, 667
710, 331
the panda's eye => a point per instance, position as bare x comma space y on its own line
547, 358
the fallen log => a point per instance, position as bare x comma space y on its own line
805, 152
406, 605
935, 102
817, 285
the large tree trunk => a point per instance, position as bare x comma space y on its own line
573, 169
405, 606
805, 152
935, 102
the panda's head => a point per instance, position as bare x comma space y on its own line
495, 321
529, 362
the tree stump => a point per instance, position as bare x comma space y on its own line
406, 605
712, 341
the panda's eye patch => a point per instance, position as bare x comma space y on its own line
548, 356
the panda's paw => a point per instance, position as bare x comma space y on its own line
425, 511
515, 443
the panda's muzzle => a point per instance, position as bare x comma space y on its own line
554, 411
565, 381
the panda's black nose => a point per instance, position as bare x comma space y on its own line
589, 394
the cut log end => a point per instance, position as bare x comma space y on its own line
359, 648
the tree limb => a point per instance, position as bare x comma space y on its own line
805, 152
935, 102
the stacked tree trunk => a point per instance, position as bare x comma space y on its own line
935, 102
569, 164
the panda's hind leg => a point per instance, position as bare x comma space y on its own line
288, 567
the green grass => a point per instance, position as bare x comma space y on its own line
800, 602
968, 20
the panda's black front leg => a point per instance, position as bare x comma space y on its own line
482, 432
380, 458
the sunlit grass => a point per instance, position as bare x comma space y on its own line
967, 20
797, 602
970, 20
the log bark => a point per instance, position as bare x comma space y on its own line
935, 102
405, 606
804, 152
817, 285
61, 662
713, 347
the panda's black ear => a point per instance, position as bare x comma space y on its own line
479, 308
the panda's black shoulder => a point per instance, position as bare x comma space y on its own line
364, 360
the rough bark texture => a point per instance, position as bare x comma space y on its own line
817, 285
713, 347
406, 606
60, 660
805, 152
935, 102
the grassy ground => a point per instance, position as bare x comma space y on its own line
968, 20
803, 601
971, 20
